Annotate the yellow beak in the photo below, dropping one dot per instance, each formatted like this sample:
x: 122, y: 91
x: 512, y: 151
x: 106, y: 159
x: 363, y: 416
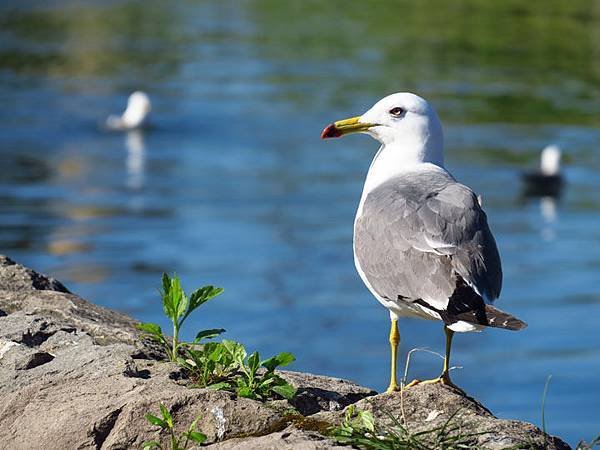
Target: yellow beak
x: 347, y: 126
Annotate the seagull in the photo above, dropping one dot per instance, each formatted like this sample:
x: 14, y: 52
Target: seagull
x: 547, y: 181
x: 138, y: 107
x: 422, y: 244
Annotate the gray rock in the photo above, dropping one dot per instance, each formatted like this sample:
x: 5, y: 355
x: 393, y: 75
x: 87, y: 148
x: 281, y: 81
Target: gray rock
x: 318, y: 393
x: 14, y: 277
x: 21, y: 357
x: 75, y: 375
x: 289, y: 439
x: 428, y: 406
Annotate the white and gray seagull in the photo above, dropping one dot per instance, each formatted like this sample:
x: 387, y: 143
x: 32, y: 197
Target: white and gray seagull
x: 422, y: 244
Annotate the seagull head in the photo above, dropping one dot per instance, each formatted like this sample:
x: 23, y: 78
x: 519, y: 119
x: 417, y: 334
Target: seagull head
x: 403, y: 121
x: 550, y: 160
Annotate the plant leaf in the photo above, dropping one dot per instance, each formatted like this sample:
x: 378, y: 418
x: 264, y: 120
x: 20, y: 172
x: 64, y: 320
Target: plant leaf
x: 253, y: 362
x: 282, y: 359
x: 367, y: 420
x: 221, y: 386
x: 196, y: 436
x: 150, y: 328
x: 166, y: 415
x: 204, y: 294
x: 149, y: 445
x: 167, y: 297
x: 153, y: 332
x: 179, y: 299
x: 236, y: 350
x: 286, y: 390
x: 208, y: 334
x: 246, y: 392
x: 201, y: 296
x: 166, y: 283
x: 156, y: 421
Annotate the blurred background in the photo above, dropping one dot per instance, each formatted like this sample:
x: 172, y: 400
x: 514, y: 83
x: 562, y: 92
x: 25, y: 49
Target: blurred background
x: 232, y: 186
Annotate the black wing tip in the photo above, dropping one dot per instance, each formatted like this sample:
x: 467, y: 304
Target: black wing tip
x: 500, y: 319
x: 516, y: 325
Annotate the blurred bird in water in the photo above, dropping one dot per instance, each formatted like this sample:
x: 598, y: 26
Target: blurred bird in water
x: 422, y: 244
x: 548, y: 180
x: 138, y: 107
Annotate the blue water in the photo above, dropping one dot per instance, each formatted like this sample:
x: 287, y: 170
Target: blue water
x: 232, y: 185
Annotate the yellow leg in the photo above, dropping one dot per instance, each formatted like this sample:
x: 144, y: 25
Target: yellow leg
x: 394, y: 341
x: 444, y: 378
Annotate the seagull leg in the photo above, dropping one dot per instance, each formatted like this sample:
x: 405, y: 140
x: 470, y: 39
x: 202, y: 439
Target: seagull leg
x: 444, y: 378
x: 394, y: 341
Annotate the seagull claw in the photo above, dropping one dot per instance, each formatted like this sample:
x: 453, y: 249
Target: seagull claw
x: 443, y: 379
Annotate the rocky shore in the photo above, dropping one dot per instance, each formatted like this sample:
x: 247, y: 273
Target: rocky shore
x: 74, y: 375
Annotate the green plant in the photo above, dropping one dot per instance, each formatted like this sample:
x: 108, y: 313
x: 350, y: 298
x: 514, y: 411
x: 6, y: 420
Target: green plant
x: 544, y: 395
x: 177, y: 307
x: 216, y: 365
x: 178, y: 441
x: 359, y: 429
x: 259, y: 385
x: 225, y: 365
x: 209, y: 365
x: 582, y: 445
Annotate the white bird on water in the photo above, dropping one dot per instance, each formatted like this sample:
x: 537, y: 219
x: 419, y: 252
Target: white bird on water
x: 422, y: 244
x: 548, y: 180
x: 138, y: 108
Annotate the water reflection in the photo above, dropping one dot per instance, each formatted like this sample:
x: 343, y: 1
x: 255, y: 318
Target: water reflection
x: 548, y: 208
x: 136, y: 159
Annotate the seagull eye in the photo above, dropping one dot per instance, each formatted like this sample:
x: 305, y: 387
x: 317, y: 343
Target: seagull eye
x: 397, y: 111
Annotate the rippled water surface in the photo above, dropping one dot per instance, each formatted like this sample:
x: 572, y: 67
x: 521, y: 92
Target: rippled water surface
x: 232, y: 185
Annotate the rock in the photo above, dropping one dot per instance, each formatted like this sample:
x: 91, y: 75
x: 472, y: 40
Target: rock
x: 318, y: 393
x: 20, y: 357
x: 428, y: 406
x: 75, y: 375
x: 288, y: 439
x: 14, y: 277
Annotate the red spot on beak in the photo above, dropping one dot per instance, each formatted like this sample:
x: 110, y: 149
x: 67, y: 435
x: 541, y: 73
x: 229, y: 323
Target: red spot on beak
x: 330, y: 131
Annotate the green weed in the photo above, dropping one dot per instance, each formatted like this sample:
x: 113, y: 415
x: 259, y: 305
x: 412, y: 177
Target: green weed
x: 178, y: 441
x: 221, y: 365
x: 177, y: 307
x: 226, y: 366
x: 582, y: 445
x: 360, y: 430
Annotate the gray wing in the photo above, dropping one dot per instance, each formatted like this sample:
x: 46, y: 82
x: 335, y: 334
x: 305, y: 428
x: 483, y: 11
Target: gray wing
x: 419, y: 240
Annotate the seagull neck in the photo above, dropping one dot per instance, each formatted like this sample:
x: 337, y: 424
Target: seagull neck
x: 391, y: 161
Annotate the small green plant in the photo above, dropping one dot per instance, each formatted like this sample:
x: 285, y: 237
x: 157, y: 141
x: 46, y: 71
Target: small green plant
x: 226, y: 366
x: 260, y: 385
x: 178, y: 441
x: 216, y: 365
x: 210, y: 365
x: 360, y: 430
x: 177, y: 307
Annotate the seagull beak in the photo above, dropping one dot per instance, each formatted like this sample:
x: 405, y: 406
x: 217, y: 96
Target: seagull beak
x: 347, y: 126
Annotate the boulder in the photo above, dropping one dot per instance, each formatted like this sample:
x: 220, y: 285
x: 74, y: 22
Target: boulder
x: 76, y: 375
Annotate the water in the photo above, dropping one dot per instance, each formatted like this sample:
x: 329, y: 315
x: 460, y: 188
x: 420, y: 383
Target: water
x: 232, y: 185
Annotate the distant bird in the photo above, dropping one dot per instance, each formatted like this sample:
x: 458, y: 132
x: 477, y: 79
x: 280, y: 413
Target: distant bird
x: 548, y: 180
x: 422, y: 244
x: 138, y: 107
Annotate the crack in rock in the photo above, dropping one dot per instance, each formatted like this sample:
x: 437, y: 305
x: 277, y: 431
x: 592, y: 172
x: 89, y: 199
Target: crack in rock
x: 102, y: 429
